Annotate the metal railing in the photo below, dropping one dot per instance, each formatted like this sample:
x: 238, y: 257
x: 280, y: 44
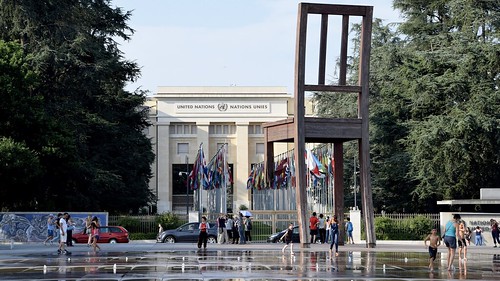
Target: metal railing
x: 265, y: 223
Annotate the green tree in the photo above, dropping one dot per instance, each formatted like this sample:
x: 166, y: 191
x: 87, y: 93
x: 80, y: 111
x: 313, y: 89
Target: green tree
x: 20, y: 113
x: 434, y: 103
x: 453, y: 92
x: 92, y: 145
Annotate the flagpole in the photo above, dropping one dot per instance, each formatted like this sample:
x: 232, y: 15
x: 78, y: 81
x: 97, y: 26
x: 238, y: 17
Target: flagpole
x: 223, y: 204
x: 200, y: 159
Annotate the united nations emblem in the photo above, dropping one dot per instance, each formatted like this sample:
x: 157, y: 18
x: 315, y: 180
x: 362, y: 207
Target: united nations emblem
x: 222, y: 106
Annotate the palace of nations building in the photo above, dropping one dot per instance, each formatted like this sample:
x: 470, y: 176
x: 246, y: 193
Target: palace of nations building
x: 183, y: 118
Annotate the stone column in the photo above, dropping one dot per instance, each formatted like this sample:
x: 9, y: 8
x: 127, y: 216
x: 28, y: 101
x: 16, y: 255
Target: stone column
x: 240, y: 196
x: 164, y: 169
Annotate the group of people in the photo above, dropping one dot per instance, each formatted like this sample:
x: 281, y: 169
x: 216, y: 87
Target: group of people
x: 60, y: 229
x: 321, y: 231
x: 326, y: 229
x: 457, y: 235
x: 235, y: 229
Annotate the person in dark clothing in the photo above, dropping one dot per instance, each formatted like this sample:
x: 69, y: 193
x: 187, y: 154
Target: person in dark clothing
x: 287, y: 237
x: 202, y: 237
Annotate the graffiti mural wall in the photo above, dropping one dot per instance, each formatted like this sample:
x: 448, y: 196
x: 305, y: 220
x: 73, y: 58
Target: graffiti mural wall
x: 32, y: 227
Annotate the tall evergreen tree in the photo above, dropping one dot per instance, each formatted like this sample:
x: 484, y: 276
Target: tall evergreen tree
x: 92, y: 144
x: 434, y: 104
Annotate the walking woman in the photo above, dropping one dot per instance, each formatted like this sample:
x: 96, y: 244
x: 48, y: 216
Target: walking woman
x: 334, y: 235
x: 451, y: 230
x: 287, y: 238
x: 495, y: 232
x: 95, y: 233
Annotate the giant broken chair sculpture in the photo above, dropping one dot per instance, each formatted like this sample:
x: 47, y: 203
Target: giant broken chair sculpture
x: 301, y: 129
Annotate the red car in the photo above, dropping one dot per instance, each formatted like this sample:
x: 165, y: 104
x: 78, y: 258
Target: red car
x: 107, y: 234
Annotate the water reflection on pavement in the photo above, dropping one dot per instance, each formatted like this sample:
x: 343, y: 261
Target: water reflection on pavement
x: 240, y: 264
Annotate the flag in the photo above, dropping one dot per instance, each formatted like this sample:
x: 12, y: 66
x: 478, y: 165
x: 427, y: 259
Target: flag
x: 198, y: 177
x: 314, y: 166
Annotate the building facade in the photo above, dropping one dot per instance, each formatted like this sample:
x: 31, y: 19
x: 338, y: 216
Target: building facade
x: 185, y: 118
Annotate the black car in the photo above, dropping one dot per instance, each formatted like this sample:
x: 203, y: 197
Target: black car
x: 275, y: 237
x: 187, y: 233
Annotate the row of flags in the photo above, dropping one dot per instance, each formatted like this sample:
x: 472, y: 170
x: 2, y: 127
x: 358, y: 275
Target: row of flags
x: 319, y: 162
x: 216, y: 174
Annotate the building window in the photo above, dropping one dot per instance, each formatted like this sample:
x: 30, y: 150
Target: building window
x: 255, y: 129
x: 220, y: 144
x: 183, y: 129
x: 259, y: 148
x: 222, y: 129
x: 183, y: 148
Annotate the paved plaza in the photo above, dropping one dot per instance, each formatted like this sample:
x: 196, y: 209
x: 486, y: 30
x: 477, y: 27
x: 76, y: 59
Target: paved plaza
x: 145, y: 260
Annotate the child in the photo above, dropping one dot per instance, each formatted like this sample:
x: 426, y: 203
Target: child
x: 479, y: 236
x: 287, y: 237
x: 434, y: 242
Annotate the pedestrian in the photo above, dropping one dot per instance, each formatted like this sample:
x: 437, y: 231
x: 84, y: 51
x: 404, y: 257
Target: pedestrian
x: 202, y: 237
x: 478, y: 236
x: 57, y: 232
x: 95, y: 233
x: 434, y: 243
x: 450, y: 239
x: 50, y: 229
x: 221, y: 229
x: 462, y: 241
x: 334, y: 235
x: 322, y: 229
x: 248, y: 229
x: 241, y: 229
x: 71, y: 226
x: 229, y: 228
x: 349, y: 229
x: 287, y: 238
x: 313, y: 227
x: 235, y: 229
x: 494, y: 232
x: 328, y: 228
x: 63, y: 234
x: 468, y: 235
x: 88, y: 229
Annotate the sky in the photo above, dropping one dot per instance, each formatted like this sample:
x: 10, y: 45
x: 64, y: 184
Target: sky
x: 227, y: 42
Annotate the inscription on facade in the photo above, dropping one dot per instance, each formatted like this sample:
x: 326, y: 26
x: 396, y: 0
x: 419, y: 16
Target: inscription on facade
x: 222, y: 107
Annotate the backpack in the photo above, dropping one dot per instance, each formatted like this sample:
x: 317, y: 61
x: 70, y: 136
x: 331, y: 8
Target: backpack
x: 249, y: 225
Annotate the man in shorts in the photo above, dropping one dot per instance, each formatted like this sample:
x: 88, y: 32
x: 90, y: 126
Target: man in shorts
x: 63, y: 231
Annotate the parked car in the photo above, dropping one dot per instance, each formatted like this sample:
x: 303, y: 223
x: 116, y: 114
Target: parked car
x: 187, y: 233
x: 275, y: 237
x: 107, y: 234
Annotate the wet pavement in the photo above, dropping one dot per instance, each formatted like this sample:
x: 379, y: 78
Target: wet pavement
x: 260, y: 261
